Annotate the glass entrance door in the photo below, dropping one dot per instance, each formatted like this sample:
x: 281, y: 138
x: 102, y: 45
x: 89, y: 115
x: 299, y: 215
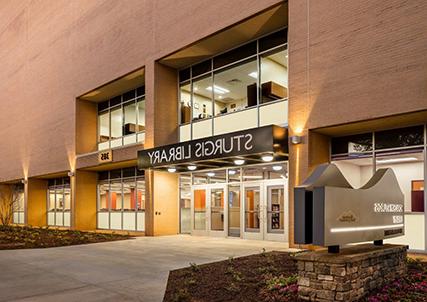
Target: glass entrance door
x: 264, y: 208
x: 209, y: 210
x: 234, y: 210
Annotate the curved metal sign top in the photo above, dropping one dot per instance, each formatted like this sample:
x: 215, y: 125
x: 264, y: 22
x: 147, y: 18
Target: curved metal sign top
x: 329, y: 211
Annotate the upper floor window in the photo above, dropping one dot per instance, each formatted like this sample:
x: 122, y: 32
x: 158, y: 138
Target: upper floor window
x: 121, y: 120
x: 244, y: 77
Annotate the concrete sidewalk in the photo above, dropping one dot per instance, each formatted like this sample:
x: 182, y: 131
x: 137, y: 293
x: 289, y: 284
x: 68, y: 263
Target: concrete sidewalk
x: 131, y: 270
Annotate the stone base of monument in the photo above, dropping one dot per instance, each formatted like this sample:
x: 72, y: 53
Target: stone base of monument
x: 350, y: 274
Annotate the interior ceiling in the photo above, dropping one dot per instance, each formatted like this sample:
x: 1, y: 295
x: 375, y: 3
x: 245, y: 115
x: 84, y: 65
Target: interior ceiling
x: 119, y: 86
x: 252, y: 28
x: 367, y: 161
x: 395, y: 121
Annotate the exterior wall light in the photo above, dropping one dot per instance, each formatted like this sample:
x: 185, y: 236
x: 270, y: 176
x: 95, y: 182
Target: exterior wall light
x: 172, y: 170
x: 239, y: 162
x: 295, y: 140
x: 24, y: 181
x: 277, y: 168
x: 71, y: 173
x: 191, y: 167
x: 267, y: 158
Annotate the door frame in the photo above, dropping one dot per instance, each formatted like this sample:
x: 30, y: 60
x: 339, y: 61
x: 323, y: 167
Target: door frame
x: 207, y: 231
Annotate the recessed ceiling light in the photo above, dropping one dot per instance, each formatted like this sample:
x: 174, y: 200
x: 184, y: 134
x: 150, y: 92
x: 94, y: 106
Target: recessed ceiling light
x: 395, y: 160
x: 239, y: 162
x: 192, y: 167
x: 277, y: 168
x: 253, y: 74
x: 172, y: 170
x: 218, y: 89
x: 210, y: 174
x: 231, y: 172
x: 267, y: 157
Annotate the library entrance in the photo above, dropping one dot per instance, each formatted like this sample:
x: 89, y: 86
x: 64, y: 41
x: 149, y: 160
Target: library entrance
x: 250, y: 210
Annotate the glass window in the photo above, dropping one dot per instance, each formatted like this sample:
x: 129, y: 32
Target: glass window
x: 67, y: 199
x: 116, y: 196
x: 121, y: 203
x: 200, y: 209
x: 185, y: 202
x: 234, y: 211
x: 104, y: 190
x: 141, y: 115
x: 141, y: 194
x: 202, y: 98
x: 122, y: 120
x: 51, y: 202
x: 275, y: 209
x: 409, y: 170
x: 201, y: 68
x: 235, y: 55
x: 185, y: 105
x: 116, y: 122
x: 235, y: 88
x: 274, y: 76
x: 275, y: 39
x: 252, y: 209
x: 129, y: 196
x: 130, y: 118
x: 104, y: 127
x: 403, y: 137
x: 354, y: 145
x: 217, y: 209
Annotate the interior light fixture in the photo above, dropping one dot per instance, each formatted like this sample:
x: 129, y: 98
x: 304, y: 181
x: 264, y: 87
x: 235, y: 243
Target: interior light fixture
x: 395, y: 160
x: 191, y: 167
x: 172, y: 170
x: 231, y: 172
x: 239, y: 162
x: 277, y: 168
x: 210, y: 174
x: 218, y: 89
x: 267, y: 157
x: 253, y: 74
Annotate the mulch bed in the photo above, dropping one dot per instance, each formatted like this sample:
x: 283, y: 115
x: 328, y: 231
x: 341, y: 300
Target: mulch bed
x: 239, y: 279
x: 272, y: 277
x: 16, y: 237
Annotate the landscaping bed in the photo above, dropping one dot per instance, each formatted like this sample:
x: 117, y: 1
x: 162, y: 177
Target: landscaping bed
x: 252, y: 278
x: 272, y: 277
x: 16, y: 237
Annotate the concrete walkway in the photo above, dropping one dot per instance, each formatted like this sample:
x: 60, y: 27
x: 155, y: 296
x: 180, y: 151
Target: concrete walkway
x: 131, y: 270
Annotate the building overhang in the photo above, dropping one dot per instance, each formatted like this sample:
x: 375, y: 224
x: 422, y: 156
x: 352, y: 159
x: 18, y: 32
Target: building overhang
x: 217, y: 151
x: 265, y: 22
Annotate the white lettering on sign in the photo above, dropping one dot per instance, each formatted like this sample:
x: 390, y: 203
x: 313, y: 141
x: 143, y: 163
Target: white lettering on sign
x: 398, y: 219
x: 220, y: 146
x: 388, y: 207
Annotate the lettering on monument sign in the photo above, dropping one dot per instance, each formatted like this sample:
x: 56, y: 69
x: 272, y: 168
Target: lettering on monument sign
x: 246, y: 142
x: 329, y: 211
x: 105, y: 156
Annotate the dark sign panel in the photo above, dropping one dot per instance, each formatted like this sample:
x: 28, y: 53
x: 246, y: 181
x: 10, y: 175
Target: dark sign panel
x: 330, y: 212
x: 247, y: 142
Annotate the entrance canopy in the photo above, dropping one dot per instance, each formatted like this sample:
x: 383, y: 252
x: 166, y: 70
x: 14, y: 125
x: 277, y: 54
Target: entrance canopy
x: 263, y: 144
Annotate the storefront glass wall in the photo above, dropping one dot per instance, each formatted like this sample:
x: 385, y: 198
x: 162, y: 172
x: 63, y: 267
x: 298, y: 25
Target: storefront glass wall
x: 121, y: 120
x: 219, y: 208
x: 18, y: 205
x: 403, y: 150
x: 121, y: 200
x: 226, y: 93
x: 59, y: 202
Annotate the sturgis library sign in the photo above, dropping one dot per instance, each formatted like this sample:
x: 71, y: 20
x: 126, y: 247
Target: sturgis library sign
x: 269, y: 139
